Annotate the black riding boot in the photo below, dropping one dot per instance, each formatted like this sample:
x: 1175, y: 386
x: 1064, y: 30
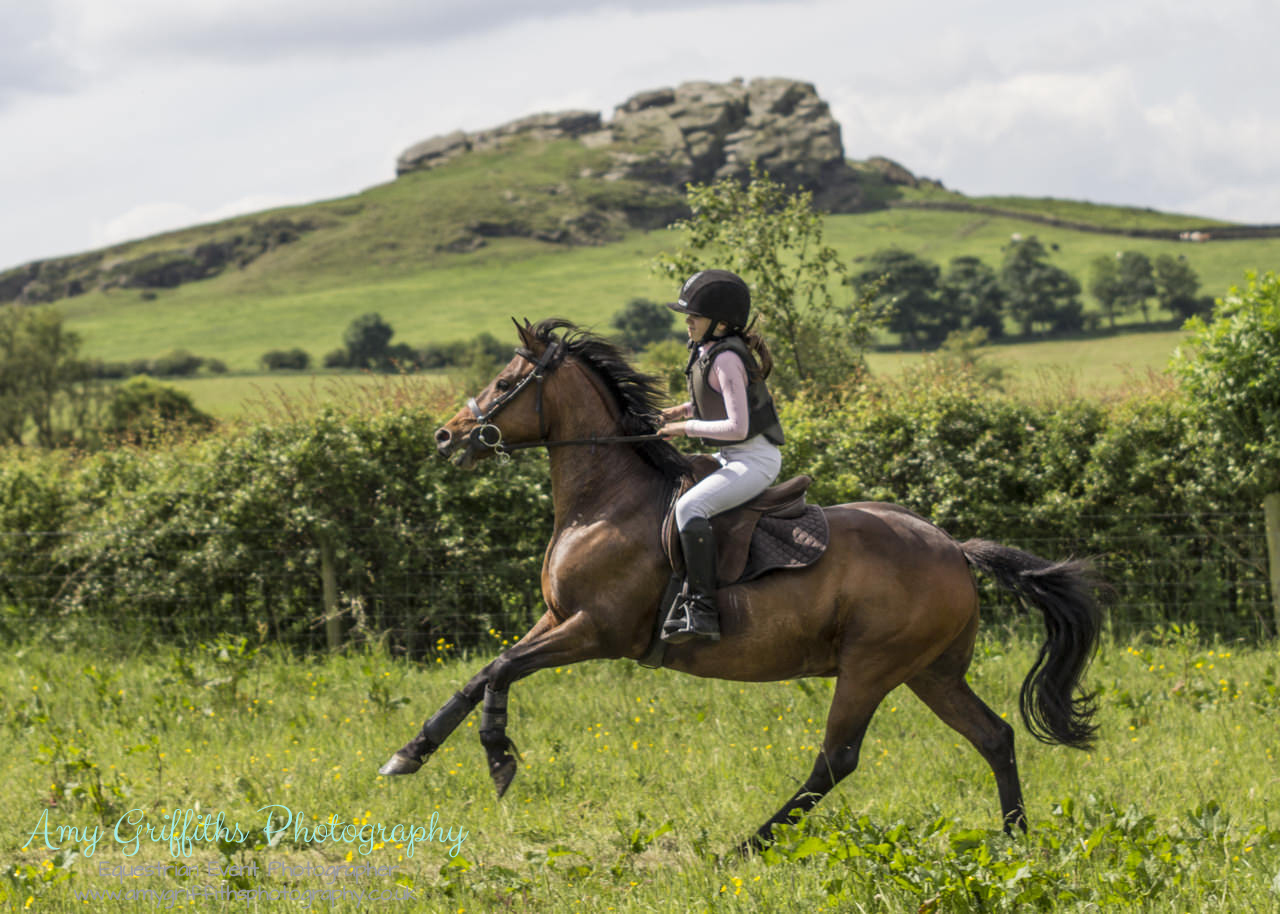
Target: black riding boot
x: 694, y: 614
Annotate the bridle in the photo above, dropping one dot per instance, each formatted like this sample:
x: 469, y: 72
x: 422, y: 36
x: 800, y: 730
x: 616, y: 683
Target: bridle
x: 486, y: 434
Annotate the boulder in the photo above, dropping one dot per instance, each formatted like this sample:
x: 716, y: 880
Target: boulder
x: 433, y: 152
x: 701, y: 131
x: 550, y: 126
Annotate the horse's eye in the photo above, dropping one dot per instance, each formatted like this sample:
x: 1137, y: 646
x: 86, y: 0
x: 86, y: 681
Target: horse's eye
x: 503, y: 384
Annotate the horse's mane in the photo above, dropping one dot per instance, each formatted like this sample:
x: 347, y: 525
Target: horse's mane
x: 639, y: 395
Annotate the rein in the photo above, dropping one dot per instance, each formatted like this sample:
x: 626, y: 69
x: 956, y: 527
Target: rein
x: 489, y: 435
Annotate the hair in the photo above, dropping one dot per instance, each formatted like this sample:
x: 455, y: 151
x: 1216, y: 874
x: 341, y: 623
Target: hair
x: 639, y: 396
x: 755, y: 342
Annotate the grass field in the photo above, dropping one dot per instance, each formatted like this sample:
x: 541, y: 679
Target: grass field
x: 1100, y: 365
x: 463, y: 295
x: 633, y: 786
x: 379, y: 251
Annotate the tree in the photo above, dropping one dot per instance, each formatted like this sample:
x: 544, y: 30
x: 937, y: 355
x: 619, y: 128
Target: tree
x: 1176, y: 287
x: 43, y: 381
x: 1229, y: 372
x: 141, y: 407
x: 1039, y: 292
x: 366, y: 340
x: 773, y: 240
x: 1137, y: 282
x: 642, y: 322
x: 1104, y: 285
x: 905, y: 287
x: 971, y: 291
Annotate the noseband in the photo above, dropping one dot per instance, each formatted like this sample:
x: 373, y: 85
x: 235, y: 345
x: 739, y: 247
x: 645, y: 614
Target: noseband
x: 486, y: 434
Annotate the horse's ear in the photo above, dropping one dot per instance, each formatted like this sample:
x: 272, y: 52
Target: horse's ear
x: 525, y: 331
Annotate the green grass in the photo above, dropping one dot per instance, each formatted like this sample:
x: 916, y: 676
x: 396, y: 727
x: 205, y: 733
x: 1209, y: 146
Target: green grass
x: 268, y: 395
x: 238, y: 318
x: 634, y: 784
x: 1099, y: 365
x: 380, y: 250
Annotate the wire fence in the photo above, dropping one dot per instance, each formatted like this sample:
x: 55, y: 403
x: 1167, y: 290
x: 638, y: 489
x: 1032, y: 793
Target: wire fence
x: 1209, y: 570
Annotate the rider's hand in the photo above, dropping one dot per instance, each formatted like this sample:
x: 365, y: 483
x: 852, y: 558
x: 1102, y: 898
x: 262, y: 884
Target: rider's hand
x: 672, y: 430
x: 672, y: 413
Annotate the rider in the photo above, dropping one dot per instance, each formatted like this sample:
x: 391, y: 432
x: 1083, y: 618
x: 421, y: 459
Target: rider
x: 729, y: 405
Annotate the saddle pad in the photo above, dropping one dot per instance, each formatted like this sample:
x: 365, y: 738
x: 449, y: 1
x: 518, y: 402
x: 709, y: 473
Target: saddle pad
x: 750, y: 543
x: 786, y: 542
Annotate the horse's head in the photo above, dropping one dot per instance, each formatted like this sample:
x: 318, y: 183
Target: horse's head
x: 510, y: 409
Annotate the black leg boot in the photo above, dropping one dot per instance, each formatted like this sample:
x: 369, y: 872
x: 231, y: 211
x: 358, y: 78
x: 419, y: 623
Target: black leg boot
x: 695, y: 614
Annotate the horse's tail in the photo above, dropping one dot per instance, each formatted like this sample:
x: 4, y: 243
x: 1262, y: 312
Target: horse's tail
x: 1064, y: 593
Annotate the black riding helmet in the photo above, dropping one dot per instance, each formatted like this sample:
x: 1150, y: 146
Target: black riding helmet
x: 717, y: 294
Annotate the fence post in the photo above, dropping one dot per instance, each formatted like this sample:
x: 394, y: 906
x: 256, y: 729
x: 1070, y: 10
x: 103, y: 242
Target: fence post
x: 329, y: 581
x: 1271, y: 508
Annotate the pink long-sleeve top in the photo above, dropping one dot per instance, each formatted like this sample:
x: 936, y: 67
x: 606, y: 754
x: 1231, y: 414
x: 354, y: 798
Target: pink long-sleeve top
x: 728, y: 377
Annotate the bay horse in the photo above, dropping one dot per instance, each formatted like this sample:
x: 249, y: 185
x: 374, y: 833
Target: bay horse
x: 891, y: 601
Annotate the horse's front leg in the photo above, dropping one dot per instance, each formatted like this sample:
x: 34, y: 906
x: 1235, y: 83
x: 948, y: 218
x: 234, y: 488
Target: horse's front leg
x: 437, y: 728
x: 574, y: 640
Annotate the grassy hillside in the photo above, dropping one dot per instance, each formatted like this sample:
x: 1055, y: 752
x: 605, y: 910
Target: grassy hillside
x: 445, y: 254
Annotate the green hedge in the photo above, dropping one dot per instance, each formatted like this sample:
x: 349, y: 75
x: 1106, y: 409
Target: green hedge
x: 228, y: 533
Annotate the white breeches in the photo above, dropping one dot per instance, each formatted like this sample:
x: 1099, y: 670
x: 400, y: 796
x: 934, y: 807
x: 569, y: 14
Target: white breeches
x: 746, y: 470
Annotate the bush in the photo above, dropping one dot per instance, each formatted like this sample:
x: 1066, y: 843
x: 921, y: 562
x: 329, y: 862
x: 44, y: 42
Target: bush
x: 281, y: 360
x: 140, y: 409
x: 176, y: 364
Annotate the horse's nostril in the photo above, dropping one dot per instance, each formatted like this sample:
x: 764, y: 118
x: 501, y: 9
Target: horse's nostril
x: 442, y: 437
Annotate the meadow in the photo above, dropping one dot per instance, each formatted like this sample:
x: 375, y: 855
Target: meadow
x: 633, y: 789
x: 306, y: 293
x: 1100, y: 365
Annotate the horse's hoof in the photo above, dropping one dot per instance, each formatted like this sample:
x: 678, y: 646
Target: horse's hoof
x: 400, y: 764
x: 503, y: 774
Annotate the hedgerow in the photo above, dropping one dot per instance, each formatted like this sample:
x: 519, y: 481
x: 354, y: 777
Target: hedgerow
x: 234, y: 531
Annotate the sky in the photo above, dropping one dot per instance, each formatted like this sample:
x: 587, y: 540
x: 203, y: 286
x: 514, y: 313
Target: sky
x: 123, y: 118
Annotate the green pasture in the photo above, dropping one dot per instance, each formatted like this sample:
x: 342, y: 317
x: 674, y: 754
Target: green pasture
x: 1096, y: 365
x: 1100, y: 365
x: 289, y: 393
x: 634, y: 786
x: 376, y: 251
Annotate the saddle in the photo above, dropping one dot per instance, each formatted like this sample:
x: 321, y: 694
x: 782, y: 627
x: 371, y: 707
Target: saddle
x: 774, y: 530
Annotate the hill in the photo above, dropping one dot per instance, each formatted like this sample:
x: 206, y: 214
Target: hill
x: 543, y: 220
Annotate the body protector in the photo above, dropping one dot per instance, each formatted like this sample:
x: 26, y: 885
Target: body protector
x: 709, y: 403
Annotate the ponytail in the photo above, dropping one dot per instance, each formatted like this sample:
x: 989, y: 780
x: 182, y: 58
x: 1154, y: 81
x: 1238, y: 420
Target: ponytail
x: 755, y: 342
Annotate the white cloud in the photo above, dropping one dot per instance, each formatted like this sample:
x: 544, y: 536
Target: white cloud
x: 106, y: 105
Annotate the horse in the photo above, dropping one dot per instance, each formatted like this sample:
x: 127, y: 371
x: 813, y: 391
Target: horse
x: 892, y: 600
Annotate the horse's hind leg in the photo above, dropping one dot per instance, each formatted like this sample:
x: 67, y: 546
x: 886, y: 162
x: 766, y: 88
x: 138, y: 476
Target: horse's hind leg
x: 855, y: 701
x: 943, y: 688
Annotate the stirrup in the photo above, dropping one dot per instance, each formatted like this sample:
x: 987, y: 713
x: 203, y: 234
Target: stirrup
x: 692, y: 616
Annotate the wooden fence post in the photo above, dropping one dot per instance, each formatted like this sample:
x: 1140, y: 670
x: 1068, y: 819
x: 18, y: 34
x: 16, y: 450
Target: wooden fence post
x: 1271, y: 508
x: 329, y: 581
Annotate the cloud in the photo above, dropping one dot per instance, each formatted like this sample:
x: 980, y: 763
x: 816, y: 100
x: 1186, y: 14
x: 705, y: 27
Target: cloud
x: 1157, y: 104
x: 32, y: 60
x: 249, y: 30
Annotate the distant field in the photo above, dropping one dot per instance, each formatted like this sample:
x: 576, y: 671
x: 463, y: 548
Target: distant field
x: 284, y: 393
x: 387, y: 250
x: 1086, y: 366
x: 461, y: 295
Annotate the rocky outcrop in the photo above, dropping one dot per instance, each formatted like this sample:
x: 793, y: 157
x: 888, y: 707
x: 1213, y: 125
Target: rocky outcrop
x: 441, y: 149
x: 697, y: 131
x: 50, y: 280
